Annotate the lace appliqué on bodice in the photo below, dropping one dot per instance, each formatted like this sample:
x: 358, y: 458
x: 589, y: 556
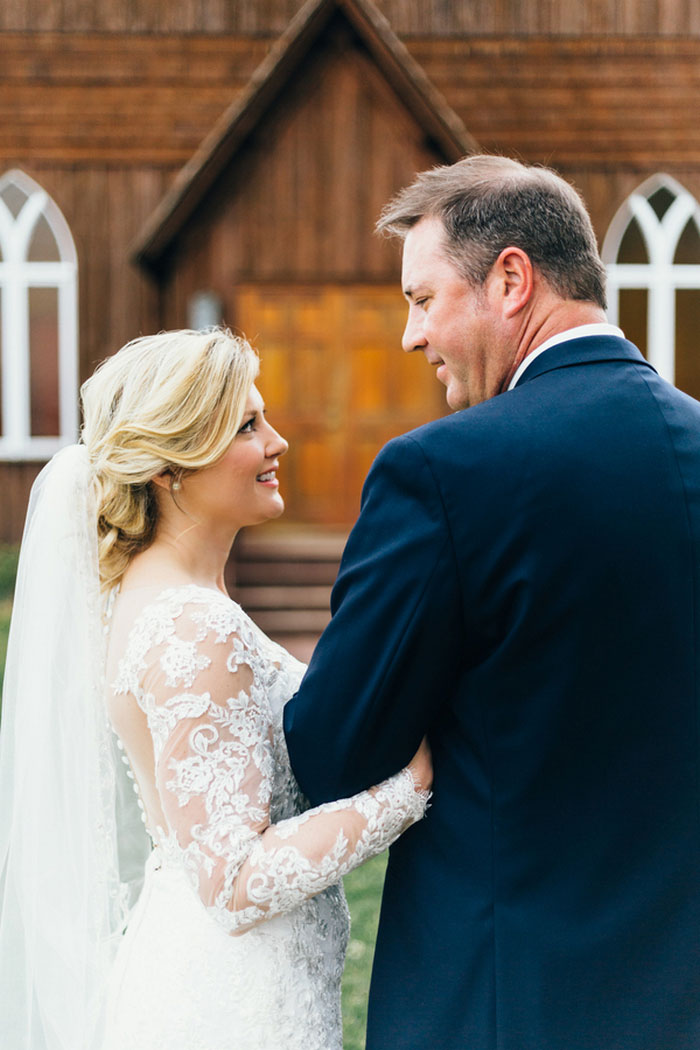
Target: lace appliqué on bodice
x: 212, y: 687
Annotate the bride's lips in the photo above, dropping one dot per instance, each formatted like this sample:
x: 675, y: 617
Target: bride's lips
x: 268, y: 477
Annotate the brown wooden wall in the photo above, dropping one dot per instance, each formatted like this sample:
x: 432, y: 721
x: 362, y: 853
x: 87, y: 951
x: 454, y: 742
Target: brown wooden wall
x: 135, y: 99
x: 105, y: 208
x: 301, y: 200
x: 601, y: 104
x: 408, y: 17
x: 102, y: 101
x: 117, y: 98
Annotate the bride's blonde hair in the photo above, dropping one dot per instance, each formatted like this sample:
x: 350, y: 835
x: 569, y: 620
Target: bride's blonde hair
x: 168, y: 403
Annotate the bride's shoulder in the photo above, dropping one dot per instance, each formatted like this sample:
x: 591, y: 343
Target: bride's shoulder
x: 181, y: 622
x: 187, y: 625
x: 191, y: 603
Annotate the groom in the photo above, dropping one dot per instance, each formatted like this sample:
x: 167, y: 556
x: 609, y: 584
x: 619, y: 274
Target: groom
x: 523, y: 585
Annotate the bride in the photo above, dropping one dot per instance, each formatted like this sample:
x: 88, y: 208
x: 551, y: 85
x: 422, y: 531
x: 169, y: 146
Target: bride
x: 201, y: 907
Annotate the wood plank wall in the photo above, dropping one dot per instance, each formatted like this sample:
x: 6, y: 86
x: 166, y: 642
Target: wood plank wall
x: 120, y: 98
x: 102, y: 101
x: 408, y: 17
x: 301, y: 203
x: 140, y: 100
x: 105, y: 209
x: 621, y: 102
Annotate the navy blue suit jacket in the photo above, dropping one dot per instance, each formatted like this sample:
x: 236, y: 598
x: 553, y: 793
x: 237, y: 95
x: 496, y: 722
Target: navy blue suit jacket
x: 523, y: 584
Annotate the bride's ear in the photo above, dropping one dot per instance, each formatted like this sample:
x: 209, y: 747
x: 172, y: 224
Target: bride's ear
x: 163, y: 480
x: 168, y: 479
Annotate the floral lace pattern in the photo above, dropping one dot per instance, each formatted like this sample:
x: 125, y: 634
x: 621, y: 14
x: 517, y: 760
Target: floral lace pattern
x: 208, y: 688
x: 212, y: 725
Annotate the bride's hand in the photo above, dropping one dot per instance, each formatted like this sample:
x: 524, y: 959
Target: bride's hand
x: 421, y: 766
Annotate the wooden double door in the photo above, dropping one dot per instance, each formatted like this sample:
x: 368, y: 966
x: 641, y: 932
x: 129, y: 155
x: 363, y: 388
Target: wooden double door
x: 336, y: 384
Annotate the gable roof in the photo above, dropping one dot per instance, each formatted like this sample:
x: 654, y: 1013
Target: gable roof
x: 402, y: 72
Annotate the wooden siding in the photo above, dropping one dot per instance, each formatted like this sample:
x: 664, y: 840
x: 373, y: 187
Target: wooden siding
x: 285, y: 239
x: 118, y: 99
x: 301, y: 199
x: 16, y: 480
x: 102, y: 101
x: 104, y: 209
x: 408, y: 17
x: 149, y: 101
x: 582, y: 102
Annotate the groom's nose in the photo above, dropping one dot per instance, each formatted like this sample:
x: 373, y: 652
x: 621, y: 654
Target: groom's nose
x: 413, y: 338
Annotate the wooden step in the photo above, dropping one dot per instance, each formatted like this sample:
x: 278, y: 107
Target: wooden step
x: 282, y: 597
x: 294, y: 545
x: 286, y: 573
x: 282, y: 576
x: 279, y: 622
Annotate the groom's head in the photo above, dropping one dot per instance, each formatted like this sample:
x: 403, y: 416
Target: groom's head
x: 491, y: 247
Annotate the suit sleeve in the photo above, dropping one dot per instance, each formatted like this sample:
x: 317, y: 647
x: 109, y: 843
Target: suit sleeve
x: 391, y: 653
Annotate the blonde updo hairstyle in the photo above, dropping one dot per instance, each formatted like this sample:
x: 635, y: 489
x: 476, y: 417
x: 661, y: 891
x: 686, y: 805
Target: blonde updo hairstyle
x: 169, y: 403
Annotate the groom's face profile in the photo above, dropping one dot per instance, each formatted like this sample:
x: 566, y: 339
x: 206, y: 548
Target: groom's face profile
x: 454, y: 323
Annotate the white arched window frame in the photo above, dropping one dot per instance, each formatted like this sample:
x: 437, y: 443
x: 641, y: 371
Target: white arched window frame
x: 661, y: 277
x: 19, y: 274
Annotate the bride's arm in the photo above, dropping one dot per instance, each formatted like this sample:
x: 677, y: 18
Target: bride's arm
x: 214, y: 776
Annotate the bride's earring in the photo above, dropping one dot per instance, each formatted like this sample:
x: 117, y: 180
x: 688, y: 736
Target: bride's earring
x: 176, y: 485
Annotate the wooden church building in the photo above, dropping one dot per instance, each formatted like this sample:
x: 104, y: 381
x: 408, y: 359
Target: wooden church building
x: 167, y: 164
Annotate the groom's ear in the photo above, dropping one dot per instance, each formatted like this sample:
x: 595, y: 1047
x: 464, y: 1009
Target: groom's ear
x: 516, y: 280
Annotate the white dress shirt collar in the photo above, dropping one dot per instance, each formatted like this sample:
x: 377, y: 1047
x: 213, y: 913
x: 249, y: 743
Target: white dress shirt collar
x: 579, y: 332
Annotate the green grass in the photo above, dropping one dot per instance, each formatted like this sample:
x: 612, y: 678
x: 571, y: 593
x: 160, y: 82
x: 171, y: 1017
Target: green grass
x: 8, y: 571
x: 363, y: 888
x: 5, y: 611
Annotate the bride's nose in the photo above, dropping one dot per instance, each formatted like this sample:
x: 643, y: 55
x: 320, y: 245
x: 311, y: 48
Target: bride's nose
x: 276, y: 444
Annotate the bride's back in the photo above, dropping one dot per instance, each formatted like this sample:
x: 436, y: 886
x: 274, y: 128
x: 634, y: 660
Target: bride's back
x: 128, y: 719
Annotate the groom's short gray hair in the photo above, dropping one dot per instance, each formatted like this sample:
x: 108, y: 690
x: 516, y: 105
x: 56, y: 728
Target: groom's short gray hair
x: 487, y: 203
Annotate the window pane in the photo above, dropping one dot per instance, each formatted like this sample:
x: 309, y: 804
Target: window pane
x: 14, y: 198
x: 688, y: 250
x: 661, y: 201
x: 633, y: 316
x: 43, y: 361
x: 632, y: 246
x: 43, y: 247
x: 687, y: 346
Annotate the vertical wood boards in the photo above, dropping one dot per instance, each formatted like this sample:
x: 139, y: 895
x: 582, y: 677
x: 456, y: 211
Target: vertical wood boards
x: 285, y: 239
x: 116, y: 302
x: 301, y: 200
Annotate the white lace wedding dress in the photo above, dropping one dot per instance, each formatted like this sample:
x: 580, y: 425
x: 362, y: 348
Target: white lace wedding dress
x: 238, y: 938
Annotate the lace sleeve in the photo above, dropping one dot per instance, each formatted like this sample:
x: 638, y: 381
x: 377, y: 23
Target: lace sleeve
x: 208, y: 712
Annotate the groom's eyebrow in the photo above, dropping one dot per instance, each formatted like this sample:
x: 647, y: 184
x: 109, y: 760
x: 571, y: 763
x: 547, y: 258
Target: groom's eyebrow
x: 419, y: 291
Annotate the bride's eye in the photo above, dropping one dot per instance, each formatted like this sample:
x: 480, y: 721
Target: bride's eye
x: 247, y: 427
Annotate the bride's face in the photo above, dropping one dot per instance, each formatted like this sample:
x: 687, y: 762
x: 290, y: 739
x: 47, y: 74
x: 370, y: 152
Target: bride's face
x: 242, y: 487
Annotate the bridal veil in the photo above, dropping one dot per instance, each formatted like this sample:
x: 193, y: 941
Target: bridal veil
x: 69, y: 826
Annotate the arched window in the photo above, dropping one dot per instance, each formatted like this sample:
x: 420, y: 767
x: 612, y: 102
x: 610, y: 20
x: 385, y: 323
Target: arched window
x: 38, y: 323
x: 652, y: 252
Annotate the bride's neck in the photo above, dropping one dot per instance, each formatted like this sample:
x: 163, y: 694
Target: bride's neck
x: 189, y: 555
